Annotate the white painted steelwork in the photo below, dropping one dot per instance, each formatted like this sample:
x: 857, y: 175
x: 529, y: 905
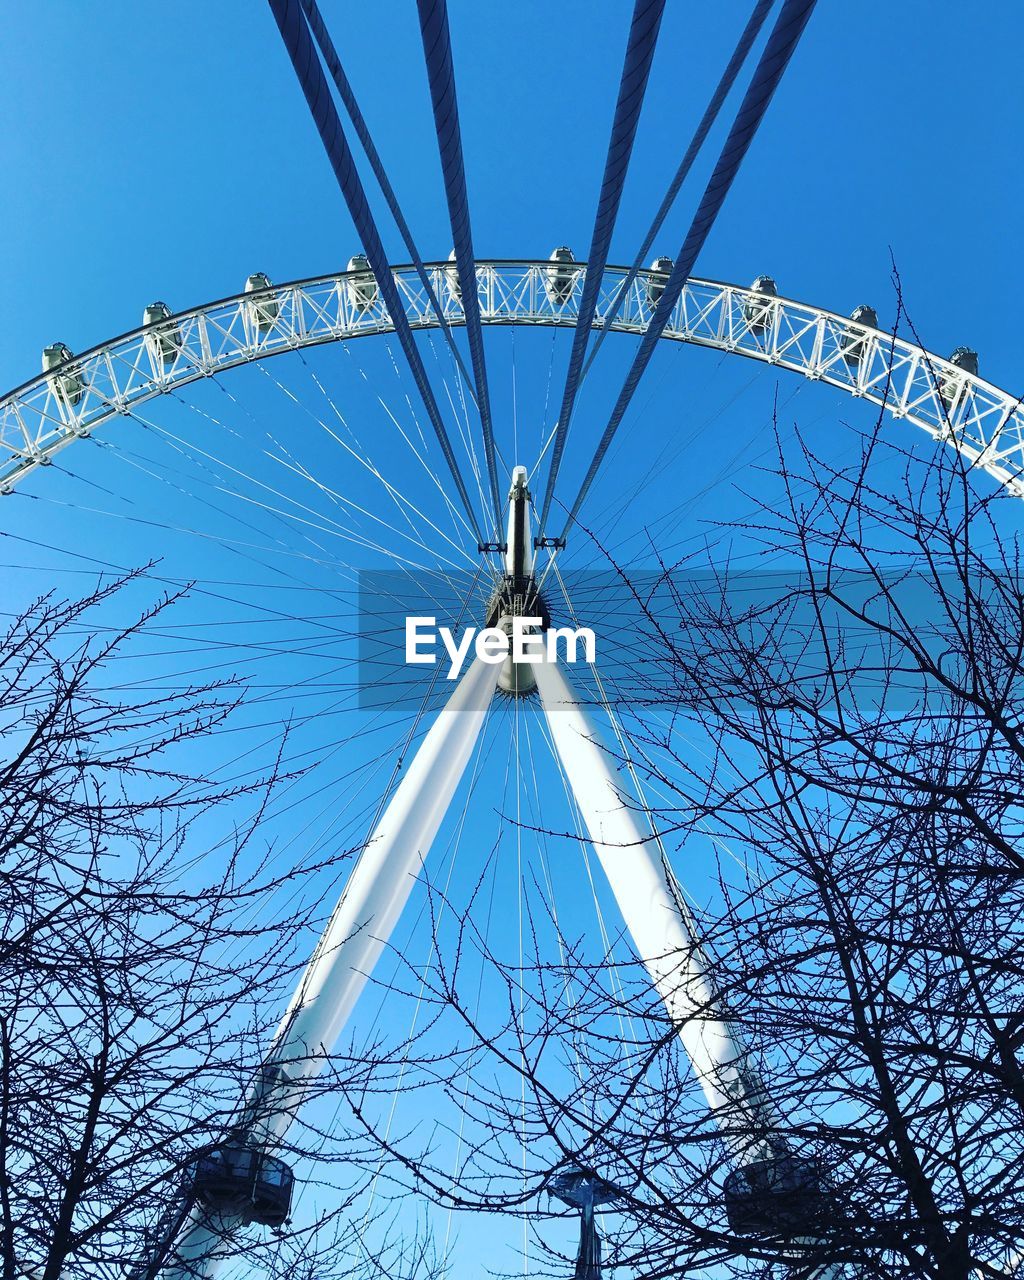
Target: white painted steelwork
x: 379, y: 886
x: 374, y: 896
x: 350, y: 946
x: 752, y: 1127
x: 985, y: 423
x: 659, y: 924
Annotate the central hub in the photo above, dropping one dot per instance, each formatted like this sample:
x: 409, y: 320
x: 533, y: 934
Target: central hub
x: 517, y: 595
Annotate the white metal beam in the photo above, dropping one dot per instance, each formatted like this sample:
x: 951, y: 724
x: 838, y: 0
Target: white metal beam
x: 50, y: 411
x: 378, y: 888
x: 351, y: 945
x: 659, y: 924
x: 664, y: 936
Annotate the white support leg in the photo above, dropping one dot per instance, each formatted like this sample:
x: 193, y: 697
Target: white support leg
x: 751, y: 1126
x: 376, y: 892
x: 357, y: 933
x: 660, y: 930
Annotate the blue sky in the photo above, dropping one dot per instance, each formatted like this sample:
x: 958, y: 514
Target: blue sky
x: 164, y: 151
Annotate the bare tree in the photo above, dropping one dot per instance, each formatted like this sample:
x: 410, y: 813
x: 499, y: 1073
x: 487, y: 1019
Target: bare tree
x: 848, y: 733
x: 876, y: 704
x: 141, y: 968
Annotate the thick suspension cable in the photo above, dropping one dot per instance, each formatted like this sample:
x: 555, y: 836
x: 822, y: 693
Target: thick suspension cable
x: 743, y: 47
x: 295, y: 33
x: 636, y: 68
x: 341, y: 82
x: 773, y: 62
x: 437, y: 50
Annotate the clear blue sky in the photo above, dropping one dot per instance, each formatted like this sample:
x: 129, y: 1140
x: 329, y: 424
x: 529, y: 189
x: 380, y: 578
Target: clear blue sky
x: 164, y: 151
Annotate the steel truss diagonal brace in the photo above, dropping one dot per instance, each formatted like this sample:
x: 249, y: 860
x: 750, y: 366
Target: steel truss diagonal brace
x: 352, y: 943
x: 662, y: 933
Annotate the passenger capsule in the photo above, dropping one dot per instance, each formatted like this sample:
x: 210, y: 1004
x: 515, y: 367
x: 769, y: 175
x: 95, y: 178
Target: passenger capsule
x: 68, y: 387
x: 655, y: 286
x: 165, y: 342
x: 784, y: 1196
x: 759, y: 315
x: 965, y: 359
x: 239, y: 1181
x: 560, y: 279
x: 452, y: 281
x: 855, y: 338
x: 362, y: 286
x: 263, y: 311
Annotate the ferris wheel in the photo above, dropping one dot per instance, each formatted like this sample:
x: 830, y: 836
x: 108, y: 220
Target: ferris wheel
x: 505, y: 524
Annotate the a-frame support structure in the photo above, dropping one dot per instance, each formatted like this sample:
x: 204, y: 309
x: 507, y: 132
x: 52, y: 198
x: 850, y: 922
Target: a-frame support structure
x: 765, y: 1175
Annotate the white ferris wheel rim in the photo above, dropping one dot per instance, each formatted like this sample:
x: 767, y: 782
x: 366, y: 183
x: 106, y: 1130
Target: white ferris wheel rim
x: 72, y: 399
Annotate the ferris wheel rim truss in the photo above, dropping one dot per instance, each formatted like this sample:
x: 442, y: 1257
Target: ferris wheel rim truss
x: 976, y: 417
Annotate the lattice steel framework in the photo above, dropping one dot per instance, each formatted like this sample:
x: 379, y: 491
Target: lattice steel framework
x: 43, y: 415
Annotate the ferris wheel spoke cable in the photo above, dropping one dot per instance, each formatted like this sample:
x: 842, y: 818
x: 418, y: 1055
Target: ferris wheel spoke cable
x: 768, y: 74
x: 139, y: 462
x: 341, y: 82
x: 437, y: 50
x: 143, y: 463
x: 233, y: 516
x: 197, y: 588
x: 322, y: 752
x: 545, y: 441
x: 671, y: 518
x: 237, y: 545
x: 336, y: 527
x: 207, y: 464
x: 636, y: 68
x: 289, y: 759
x: 298, y: 41
x: 421, y: 457
x: 746, y: 40
x: 627, y: 495
x: 339, y: 796
x: 358, y: 454
x: 402, y: 504
x: 502, y: 462
x: 461, y: 415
